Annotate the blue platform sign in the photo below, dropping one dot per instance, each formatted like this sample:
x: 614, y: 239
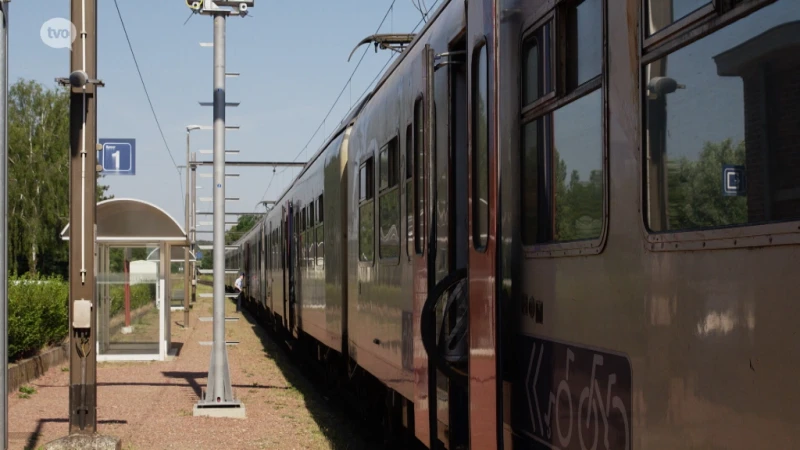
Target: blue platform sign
x: 734, y: 180
x: 198, y: 255
x: 118, y: 156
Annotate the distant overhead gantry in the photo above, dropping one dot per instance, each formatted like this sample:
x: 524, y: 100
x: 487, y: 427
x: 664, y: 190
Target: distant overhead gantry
x: 254, y: 163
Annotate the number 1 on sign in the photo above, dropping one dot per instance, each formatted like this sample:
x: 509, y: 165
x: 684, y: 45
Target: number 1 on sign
x: 115, y: 155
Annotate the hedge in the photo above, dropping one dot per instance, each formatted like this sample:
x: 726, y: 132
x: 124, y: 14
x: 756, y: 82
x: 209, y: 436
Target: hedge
x: 38, y: 314
x: 38, y: 311
x: 141, y: 294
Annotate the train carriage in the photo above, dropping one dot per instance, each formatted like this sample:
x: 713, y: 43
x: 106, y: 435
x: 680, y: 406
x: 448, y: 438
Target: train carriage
x: 559, y: 224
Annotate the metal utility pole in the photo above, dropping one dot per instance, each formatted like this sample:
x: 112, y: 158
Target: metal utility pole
x: 187, y: 248
x: 84, y: 85
x: 218, y: 398
x: 4, y: 214
x: 193, y: 224
x: 83, y: 202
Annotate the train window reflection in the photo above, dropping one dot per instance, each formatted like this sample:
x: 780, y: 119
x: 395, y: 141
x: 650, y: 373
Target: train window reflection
x: 366, y: 213
x: 578, y: 159
x: 562, y: 176
x: 531, y: 145
x: 389, y: 203
x: 480, y: 150
x: 419, y: 177
x: 721, y: 125
x: 409, y: 192
x: 661, y: 13
x: 584, y: 27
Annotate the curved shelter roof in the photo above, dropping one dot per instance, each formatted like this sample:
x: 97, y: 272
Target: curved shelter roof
x: 176, y: 254
x: 130, y: 220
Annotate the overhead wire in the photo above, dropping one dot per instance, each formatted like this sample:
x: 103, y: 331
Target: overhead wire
x: 349, y: 83
x: 335, y: 102
x: 155, y: 116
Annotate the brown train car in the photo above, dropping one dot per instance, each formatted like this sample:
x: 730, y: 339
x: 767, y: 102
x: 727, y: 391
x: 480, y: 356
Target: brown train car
x: 562, y: 225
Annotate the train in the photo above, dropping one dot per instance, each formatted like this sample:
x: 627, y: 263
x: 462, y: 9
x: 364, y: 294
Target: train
x: 557, y: 224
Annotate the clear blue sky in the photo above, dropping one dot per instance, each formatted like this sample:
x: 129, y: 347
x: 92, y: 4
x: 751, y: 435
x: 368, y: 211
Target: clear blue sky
x: 292, y: 57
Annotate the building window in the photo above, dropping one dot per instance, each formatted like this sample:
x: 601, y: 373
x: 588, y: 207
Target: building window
x: 366, y: 211
x: 721, y: 126
x: 562, y: 171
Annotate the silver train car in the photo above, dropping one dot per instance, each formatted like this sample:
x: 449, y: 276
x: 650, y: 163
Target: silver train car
x: 563, y: 224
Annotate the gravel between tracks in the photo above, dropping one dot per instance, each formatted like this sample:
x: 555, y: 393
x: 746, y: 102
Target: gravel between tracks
x: 149, y: 404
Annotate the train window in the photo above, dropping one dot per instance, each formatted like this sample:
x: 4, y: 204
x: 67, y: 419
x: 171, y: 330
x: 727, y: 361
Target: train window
x: 366, y: 212
x: 365, y: 182
x: 480, y: 149
x: 383, y: 181
x: 538, y: 64
x: 389, y: 203
x: 311, y: 236
x: 562, y: 138
x: 419, y: 177
x: 661, y: 13
x: 584, y: 41
x: 388, y: 162
x: 721, y: 121
x: 409, y: 190
x: 409, y: 151
x: 532, y: 151
x: 320, y: 246
x: 320, y: 234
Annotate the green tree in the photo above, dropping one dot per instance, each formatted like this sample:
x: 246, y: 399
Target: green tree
x: 38, y: 170
x: 695, y: 197
x: 579, y: 204
x: 243, y: 225
x: 38, y: 178
x: 207, y: 261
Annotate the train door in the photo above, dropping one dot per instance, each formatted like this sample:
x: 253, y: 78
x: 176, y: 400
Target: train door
x: 290, y: 268
x: 445, y: 313
x: 458, y: 323
x: 245, y: 267
x: 484, y: 376
x: 262, y: 267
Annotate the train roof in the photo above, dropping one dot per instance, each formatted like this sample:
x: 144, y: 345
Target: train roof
x: 354, y: 112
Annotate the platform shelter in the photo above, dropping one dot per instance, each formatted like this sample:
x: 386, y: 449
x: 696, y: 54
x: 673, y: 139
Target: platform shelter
x: 135, y: 279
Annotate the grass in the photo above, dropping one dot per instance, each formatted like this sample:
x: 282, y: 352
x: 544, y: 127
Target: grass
x: 26, y: 391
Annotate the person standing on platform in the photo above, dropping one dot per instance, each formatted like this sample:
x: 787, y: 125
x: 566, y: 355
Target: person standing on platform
x: 238, y: 286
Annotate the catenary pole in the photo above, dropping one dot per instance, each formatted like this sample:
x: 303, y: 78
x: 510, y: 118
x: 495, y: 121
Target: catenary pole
x: 83, y: 202
x: 218, y: 400
x: 193, y: 224
x: 186, y: 207
x: 217, y: 380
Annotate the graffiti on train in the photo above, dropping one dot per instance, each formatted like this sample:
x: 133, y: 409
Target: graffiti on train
x: 575, y: 397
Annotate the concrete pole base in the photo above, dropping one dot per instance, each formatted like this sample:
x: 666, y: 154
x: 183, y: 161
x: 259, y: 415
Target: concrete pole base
x: 85, y: 442
x: 235, y: 412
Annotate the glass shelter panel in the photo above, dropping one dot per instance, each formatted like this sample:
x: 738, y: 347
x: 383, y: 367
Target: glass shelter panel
x: 129, y: 299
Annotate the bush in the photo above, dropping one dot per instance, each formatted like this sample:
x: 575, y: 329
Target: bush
x: 38, y: 314
x: 141, y: 294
